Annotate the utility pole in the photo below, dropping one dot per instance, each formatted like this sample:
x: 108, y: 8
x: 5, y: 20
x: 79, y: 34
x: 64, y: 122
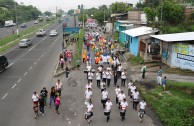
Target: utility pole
x: 16, y: 19
x: 83, y: 15
x: 104, y: 16
x: 56, y: 12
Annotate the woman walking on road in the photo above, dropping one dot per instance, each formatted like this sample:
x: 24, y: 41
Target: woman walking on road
x: 57, y: 103
x: 52, y: 96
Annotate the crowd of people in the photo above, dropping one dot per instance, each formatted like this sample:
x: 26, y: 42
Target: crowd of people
x: 107, y: 67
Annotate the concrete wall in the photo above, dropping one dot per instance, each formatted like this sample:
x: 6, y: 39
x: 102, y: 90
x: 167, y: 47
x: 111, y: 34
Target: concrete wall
x: 182, y: 56
x: 108, y: 27
x: 117, y: 24
x: 122, y: 37
x: 166, y: 52
x: 134, y: 46
x: 134, y: 15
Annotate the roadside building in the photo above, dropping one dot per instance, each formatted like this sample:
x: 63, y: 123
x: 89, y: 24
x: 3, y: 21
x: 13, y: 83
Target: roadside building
x: 177, y: 50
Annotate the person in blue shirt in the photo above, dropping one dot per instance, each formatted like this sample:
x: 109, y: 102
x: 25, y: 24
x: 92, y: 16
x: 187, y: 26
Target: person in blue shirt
x: 164, y: 84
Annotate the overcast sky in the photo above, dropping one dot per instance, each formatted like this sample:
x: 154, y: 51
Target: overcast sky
x: 45, y: 5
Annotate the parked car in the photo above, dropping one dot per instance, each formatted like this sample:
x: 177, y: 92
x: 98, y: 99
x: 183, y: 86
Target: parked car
x: 53, y: 33
x: 40, y: 32
x: 25, y: 43
x: 3, y: 63
x: 36, y: 22
x: 23, y: 25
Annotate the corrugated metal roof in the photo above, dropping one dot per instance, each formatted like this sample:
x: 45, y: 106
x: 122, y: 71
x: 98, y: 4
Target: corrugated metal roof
x: 175, y: 37
x: 139, y: 31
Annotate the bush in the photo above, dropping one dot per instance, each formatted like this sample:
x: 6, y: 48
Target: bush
x: 136, y: 60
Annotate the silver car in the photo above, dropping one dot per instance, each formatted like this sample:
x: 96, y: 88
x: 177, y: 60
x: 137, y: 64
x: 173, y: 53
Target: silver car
x: 25, y: 43
x: 53, y: 33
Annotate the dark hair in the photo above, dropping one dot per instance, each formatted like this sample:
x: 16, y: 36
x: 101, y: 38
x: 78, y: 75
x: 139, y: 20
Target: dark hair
x: 164, y: 77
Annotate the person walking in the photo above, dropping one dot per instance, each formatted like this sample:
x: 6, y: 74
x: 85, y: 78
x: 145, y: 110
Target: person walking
x: 78, y: 63
x: 104, y: 75
x: 102, y: 86
x: 164, y: 83
x: 41, y: 104
x: 123, y: 78
x: 88, y: 96
x: 121, y: 96
x: 104, y: 96
x: 132, y: 88
x: 117, y: 91
x: 115, y: 78
x: 35, y: 98
x: 52, y: 96
x: 58, y: 87
x: 108, y: 78
x: 98, y: 78
x: 57, y: 104
x: 123, y: 108
x: 67, y: 72
x: 90, y: 75
x: 143, y: 70
x: 107, y: 109
x: 135, y: 99
x: 119, y: 70
x: 89, y: 111
x: 44, y: 94
x: 159, y: 75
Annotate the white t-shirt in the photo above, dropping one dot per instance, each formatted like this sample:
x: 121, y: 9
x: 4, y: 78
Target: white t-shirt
x: 108, y: 106
x: 90, y: 74
x: 132, y: 88
x: 129, y: 84
x: 119, y: 68
x: 100, y: 68
x: 104, y: 94
x: 90, y: 107
x: 108, y: 75
x: 89, y: 67
x: 103, y: 74
x: 123, y: 76
x: 88, y: 94
x: 58, y: 85
x: 88, y: 86
x: 136, y: 95
x: 117, y: 90
x: 98, y: 77
x: 102, y: 85
x: 142, y: 105
x: 121, y: 97
x: 35, y: 97
x: 108, y: 68
x: 124, y: 105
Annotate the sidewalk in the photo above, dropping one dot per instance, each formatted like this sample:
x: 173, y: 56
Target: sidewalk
x: 58, y: 70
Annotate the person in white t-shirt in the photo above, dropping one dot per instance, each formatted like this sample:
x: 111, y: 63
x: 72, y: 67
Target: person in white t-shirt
x: 123, y: 108
x: 107, y: 109
x: 132, y: 88
x: 59, y: 87
x: 119, y: 70
x: 90, y: 75
x: 117, y: 91
x: 102, y: 86
x: 100, y: 70
x: 108, y: 77
x: 121, y: 96
x: 35, y: 98
x: 135, y: 96
x: 89, y: 111
x: 88, y: 85
x: 104, y: 75
x: 123, y: 77
x: 142, y: 106
x: 104, y: 95
x: 88, y: 94
x: 129, y: 87
x: 98, y: 78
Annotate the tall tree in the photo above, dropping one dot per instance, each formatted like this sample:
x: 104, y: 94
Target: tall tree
x: 119, y: 7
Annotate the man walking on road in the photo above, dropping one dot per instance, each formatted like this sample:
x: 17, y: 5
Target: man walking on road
x: 104, y: 97
x: 41, y: 104
x: 107, y: 110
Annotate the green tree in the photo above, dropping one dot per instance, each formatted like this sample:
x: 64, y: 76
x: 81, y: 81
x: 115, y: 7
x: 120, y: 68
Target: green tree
x: 119, y: 7
x: 170, y: 12
x: 150, y: 14
x: 70, y: 12
x: 80, y: 17
x: 47, y: 13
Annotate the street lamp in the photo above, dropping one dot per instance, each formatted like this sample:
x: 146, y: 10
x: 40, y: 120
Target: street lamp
x: 16, y: 19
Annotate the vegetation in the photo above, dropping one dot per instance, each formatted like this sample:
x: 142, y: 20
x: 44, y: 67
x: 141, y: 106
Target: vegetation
x: 120, y: 7
x: 24, y: 13
x: 136, y: 60
x: 174, y: 107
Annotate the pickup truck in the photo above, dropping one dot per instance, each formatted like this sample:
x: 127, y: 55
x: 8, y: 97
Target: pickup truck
x: 40, y: 32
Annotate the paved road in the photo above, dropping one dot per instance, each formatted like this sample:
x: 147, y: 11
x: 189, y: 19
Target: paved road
x: 32, y: 69
x: 6, y: 31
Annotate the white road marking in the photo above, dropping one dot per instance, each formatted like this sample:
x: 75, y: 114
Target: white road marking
x: 10, y: 64
x: 31, y: 48
x: 13, y: 86
x: 30, y: 68
x: 56, y: 40
x: 19, y: 80
x: 35, y: 63
x: 4, y: 96
x: 44, y: 38
x: 25, y: 73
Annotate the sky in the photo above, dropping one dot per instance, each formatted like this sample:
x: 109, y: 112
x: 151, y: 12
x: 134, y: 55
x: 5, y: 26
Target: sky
x: 46, y: 5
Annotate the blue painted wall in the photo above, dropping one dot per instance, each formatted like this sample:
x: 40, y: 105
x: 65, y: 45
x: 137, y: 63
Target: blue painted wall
x: 133, y: 46
x: 122, y: 37
x: 117, y: 24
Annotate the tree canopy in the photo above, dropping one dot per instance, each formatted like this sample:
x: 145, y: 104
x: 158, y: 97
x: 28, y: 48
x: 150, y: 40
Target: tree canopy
x: 119, y: 7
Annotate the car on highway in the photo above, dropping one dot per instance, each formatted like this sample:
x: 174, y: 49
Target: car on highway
x: 23, y: 25
x: 36, y: 22
x: 40, y: 32
x: 3, y: 63
x: 53, y: 33
x: 25, y: 43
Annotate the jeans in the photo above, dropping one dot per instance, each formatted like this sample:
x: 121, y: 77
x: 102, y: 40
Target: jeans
x: 108, y: 82
x: 41, y: 108
x: 52, y: 98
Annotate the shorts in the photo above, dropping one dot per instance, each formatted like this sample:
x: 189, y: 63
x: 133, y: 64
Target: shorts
x: 36, y: 103
x: 103, y: 101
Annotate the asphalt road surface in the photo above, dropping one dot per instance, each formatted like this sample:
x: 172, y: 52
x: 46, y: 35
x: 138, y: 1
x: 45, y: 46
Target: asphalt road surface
x: 31, y: 69
x: 6, y: 31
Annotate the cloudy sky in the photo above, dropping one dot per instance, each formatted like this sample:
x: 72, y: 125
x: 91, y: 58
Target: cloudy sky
x: 45, y: 5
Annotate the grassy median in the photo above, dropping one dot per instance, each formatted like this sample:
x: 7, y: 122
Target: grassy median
x: 174, y: 107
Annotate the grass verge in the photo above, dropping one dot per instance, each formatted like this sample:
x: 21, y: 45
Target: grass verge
x: 14, y: 37
x: 79, y: 44
x: 134, y: 60
x: 174, y: 107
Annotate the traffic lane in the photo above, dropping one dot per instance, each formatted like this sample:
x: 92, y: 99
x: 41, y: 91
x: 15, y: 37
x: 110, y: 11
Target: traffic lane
x: 18, y: 52
x: 18, y: 102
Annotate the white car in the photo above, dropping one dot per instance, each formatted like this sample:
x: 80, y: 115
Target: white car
x: 25, y: 43
x: 40, y: 32
x: 53, y: 33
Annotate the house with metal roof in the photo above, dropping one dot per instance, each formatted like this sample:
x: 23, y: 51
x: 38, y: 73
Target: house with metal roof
x: 135, y: 36
x: 177, y: 50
